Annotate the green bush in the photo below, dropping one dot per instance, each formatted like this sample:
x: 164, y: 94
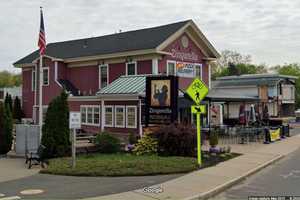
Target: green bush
x: 6, y: 126
x: 176, y: 140
x: 107, y: 143
x: 17, y: 110
x: 56, y: 133
x: 132, y: 138
x: 8, y: 101
x: 147, y: 145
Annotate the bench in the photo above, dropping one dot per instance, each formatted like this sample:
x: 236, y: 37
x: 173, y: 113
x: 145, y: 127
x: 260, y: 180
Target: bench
x: 35, y: 157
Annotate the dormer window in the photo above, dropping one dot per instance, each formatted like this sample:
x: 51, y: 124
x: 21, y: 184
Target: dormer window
x: 131, y: 68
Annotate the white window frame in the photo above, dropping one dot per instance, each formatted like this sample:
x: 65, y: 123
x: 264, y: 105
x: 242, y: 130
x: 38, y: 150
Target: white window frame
x: 112, y: 116
x: 115, y: 114
x: 99, y: 74
x: 135, y: 67
x: 201, y: 69
x: 93, y: 114
x: 175, y: 70
x: 46, y: 68
x: 135, y: 118
x: 33, y: 80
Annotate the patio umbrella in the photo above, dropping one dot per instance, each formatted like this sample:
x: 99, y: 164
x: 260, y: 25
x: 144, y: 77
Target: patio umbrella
x: 242, y: 115
x: 257, y: 114
x: 252, y: 114
x: 265, y: 112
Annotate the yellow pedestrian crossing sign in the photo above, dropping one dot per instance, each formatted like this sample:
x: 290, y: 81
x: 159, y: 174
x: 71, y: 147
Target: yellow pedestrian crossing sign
x: 197, y: 90
x: 198, y: 109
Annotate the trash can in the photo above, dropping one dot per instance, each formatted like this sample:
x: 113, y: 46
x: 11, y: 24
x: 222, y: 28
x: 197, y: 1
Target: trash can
x: 297, y: 114
x: 286, y: 130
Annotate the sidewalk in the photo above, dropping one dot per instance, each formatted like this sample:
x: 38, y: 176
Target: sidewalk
x: 207, y: 182
x: 14, y: 168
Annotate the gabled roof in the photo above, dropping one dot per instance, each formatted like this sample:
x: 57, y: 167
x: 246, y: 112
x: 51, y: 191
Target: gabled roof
x: 143, y: 39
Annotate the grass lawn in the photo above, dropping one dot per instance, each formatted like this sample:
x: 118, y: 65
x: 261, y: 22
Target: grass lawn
x: 127, y: 165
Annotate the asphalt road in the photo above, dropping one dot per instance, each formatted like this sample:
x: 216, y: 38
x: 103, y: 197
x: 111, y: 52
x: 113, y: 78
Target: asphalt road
x: 279, y: 179
x: 67, y: 187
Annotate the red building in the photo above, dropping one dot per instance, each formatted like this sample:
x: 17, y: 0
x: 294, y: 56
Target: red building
x: 83, y: 67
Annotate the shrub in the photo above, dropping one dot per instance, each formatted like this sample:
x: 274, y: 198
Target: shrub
x: 132, y: 138
x: 55, y: 134
x: 6, y: 126
x: 147, y: 145
x: 107, y: 143
x: 17, y: 110
x: 213, y: 137
x: 8, y: 101
x: 176, y: 140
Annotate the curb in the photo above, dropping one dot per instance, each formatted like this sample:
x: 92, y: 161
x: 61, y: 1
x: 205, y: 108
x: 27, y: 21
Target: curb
x: 232, y: 182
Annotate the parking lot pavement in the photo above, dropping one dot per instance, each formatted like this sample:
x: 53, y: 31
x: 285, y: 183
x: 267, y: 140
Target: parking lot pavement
x: 68, y: 187
x: 14, y: 168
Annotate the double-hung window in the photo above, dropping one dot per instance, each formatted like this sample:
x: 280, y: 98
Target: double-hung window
x: 109, y: 116
x: 90, y: 115
x: 131, y: 68
x: 103, y: 76
x: 198, y: 70
x: 131, y: 116
x: 120, y: 116
x: 33, y: 80
x: 171, y: 68
x: 45, y: 76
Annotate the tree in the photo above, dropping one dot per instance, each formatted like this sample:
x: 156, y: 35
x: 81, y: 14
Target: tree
x: 9, y: 79
x: 8, y: 101
x: 17, y: 110
x: 291, y: 70
x: 2, y: 135
x: 233, y: 57
x: 233, y: 63
x: 239, y: 69
x: 6, y: 128
x: 56, y: 128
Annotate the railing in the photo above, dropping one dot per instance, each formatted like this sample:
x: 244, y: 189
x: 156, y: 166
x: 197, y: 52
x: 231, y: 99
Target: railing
x: 237, y: 134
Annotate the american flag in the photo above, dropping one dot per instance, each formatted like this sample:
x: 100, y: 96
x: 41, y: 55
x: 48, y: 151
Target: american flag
x: 42, y: 36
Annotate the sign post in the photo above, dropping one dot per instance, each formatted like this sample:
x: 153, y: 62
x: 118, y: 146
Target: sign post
x: 74, y: 123
x: 197, y: 91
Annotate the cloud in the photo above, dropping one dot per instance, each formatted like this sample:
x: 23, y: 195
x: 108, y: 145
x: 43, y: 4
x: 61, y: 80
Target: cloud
x: 266, y: 29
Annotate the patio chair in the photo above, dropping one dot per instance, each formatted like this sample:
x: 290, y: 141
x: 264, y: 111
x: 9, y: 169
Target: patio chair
x: 35, y: 157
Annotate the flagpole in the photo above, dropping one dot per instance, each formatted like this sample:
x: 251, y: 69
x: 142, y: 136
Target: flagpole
x: 41, y: 78
x: 41, y: 96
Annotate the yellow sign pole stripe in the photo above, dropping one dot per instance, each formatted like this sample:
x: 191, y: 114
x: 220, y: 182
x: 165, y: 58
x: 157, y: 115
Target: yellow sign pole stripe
x: 199, y: 139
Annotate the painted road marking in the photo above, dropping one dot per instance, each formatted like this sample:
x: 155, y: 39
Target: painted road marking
x: 31, y: 192
x: 11, y: 198
x: 293, y: 174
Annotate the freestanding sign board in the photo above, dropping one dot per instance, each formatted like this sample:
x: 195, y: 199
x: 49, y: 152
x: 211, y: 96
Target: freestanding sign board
x: 161, y: 99
x: 75, y: 120
x: 74, y: 123
x: 197, y: 91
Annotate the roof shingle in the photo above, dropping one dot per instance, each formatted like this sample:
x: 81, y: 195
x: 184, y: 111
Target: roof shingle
x: 148, y: 38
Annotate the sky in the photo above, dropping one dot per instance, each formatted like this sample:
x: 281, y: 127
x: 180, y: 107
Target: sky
x: 268, y: 30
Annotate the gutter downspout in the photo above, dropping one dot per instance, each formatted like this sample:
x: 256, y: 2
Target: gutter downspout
x: 140, y: 118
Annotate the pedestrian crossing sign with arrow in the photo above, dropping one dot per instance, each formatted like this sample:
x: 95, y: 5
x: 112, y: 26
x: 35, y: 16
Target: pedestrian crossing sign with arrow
x: 198, y: 109
x: 197, y: 90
